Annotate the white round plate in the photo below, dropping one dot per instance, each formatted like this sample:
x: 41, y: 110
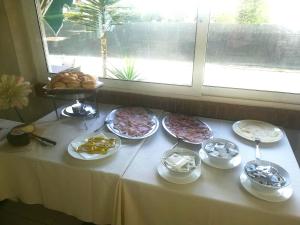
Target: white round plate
x: 180, y: 179
x: 279, y: 195
x: 234, y: 162
x: 251, y: 129
x: 109, y: 121
x: 86, y: 156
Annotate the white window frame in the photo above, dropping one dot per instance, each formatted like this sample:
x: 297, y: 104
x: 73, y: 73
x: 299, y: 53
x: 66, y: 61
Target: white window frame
x: 196, y: 92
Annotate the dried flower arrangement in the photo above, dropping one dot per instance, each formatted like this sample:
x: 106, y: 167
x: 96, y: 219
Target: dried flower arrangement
x: 14, y: 91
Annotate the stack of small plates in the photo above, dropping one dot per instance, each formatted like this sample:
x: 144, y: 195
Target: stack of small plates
x: 266, y: 180
x: 220, y: 153
x: 180, y: 166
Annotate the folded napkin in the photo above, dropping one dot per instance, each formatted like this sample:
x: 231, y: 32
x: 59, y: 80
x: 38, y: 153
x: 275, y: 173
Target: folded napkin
x: 181, y: 163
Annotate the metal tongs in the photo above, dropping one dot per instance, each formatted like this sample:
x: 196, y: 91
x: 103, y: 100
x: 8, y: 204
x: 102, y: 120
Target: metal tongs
x: 43, y: 141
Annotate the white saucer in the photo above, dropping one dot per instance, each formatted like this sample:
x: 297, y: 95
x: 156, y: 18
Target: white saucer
x: 234, y: 162
x: 279, y: 195
x: 178, y: 179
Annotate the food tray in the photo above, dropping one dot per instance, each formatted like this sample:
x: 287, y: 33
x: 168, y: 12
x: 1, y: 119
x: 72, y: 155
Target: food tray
x: 164, y: 121
x: 110, y: 124
x: 70, y: 91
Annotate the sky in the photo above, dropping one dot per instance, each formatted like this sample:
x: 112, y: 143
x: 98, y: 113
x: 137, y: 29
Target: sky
x: 281, y: 12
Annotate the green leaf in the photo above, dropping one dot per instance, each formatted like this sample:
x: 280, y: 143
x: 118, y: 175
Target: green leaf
x: 99, y: 14
x: 128, y: 72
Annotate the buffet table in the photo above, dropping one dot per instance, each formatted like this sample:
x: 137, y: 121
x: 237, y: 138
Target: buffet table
x: 216, y: 198
x: 125, y: 189
x: 49, y: 176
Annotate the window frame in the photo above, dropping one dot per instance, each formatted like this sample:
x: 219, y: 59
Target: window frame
x: 196, y: 92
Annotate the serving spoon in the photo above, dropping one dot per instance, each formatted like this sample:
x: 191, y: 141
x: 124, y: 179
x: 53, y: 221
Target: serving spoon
x: 257, y: 149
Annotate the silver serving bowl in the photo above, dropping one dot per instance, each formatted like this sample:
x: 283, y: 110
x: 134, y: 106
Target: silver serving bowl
x: 265, y: 175
x: 181, y: 152
x: 219, y: 150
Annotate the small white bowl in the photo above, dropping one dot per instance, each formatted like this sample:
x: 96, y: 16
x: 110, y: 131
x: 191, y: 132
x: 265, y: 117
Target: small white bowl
x: 267, y: 187
x: 182, y: 152
x: 220, y: 151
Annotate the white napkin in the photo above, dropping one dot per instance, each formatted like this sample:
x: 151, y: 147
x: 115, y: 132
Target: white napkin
x: 181, y: 163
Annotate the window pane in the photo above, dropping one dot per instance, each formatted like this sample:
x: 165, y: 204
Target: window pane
x: 254, y: 44
x: 151, y: 41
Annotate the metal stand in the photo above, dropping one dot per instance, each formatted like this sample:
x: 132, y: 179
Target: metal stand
x: 79, y: 96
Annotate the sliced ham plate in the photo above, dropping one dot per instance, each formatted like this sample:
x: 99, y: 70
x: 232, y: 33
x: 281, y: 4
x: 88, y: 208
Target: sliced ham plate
x: 188, y: 128
x: 133, y: 122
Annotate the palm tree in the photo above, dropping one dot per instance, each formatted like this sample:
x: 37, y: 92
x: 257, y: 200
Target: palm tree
x: 100, y: 16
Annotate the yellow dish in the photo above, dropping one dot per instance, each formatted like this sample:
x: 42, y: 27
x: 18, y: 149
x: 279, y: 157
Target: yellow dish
x: 97, y: 145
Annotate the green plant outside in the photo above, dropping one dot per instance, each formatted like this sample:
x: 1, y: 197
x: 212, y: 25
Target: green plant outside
x: 128, y: 72
x: 99, y: 16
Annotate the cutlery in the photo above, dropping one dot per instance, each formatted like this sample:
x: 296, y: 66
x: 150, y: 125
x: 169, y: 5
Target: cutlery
x: 257, y: 149
x: 102, y: 126
x: 43, y: 141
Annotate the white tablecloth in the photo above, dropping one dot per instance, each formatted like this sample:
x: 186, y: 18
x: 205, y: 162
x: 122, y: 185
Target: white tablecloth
x: 216, y: 198
x: 49, y: 176
x: 125, y: 188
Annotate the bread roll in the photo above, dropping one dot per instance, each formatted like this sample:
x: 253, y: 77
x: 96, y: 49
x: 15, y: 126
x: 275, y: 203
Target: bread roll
x: 73, y: 80
x: 88, y: 84
x: 73, y: 84
x: 89, y: 77
x: 58, y: 85
x: 68, y: 79
x: 56, y: 78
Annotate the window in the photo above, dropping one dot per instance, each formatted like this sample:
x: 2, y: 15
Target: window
x: 254, y: 44
x: 149, y: 41
x: 236, y: 51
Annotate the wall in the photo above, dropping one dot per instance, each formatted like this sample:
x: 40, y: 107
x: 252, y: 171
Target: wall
x: 7, y: 51
x: 16, y: 58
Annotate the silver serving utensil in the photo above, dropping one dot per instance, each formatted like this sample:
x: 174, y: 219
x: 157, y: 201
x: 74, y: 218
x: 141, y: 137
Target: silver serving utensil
x: 257, y: 149
x: 102, y: 126
x: 177, y: 142
x: 43, y: 141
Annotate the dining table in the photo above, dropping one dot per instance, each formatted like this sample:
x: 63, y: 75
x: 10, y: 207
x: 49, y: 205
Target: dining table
x: 37, y: 174
x: 126, y: 188
x: 216, y: 198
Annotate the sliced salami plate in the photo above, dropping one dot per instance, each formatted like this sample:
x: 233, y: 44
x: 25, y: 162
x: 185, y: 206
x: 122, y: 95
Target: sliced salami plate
x: 190, y: 129
x: 132, y: 122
